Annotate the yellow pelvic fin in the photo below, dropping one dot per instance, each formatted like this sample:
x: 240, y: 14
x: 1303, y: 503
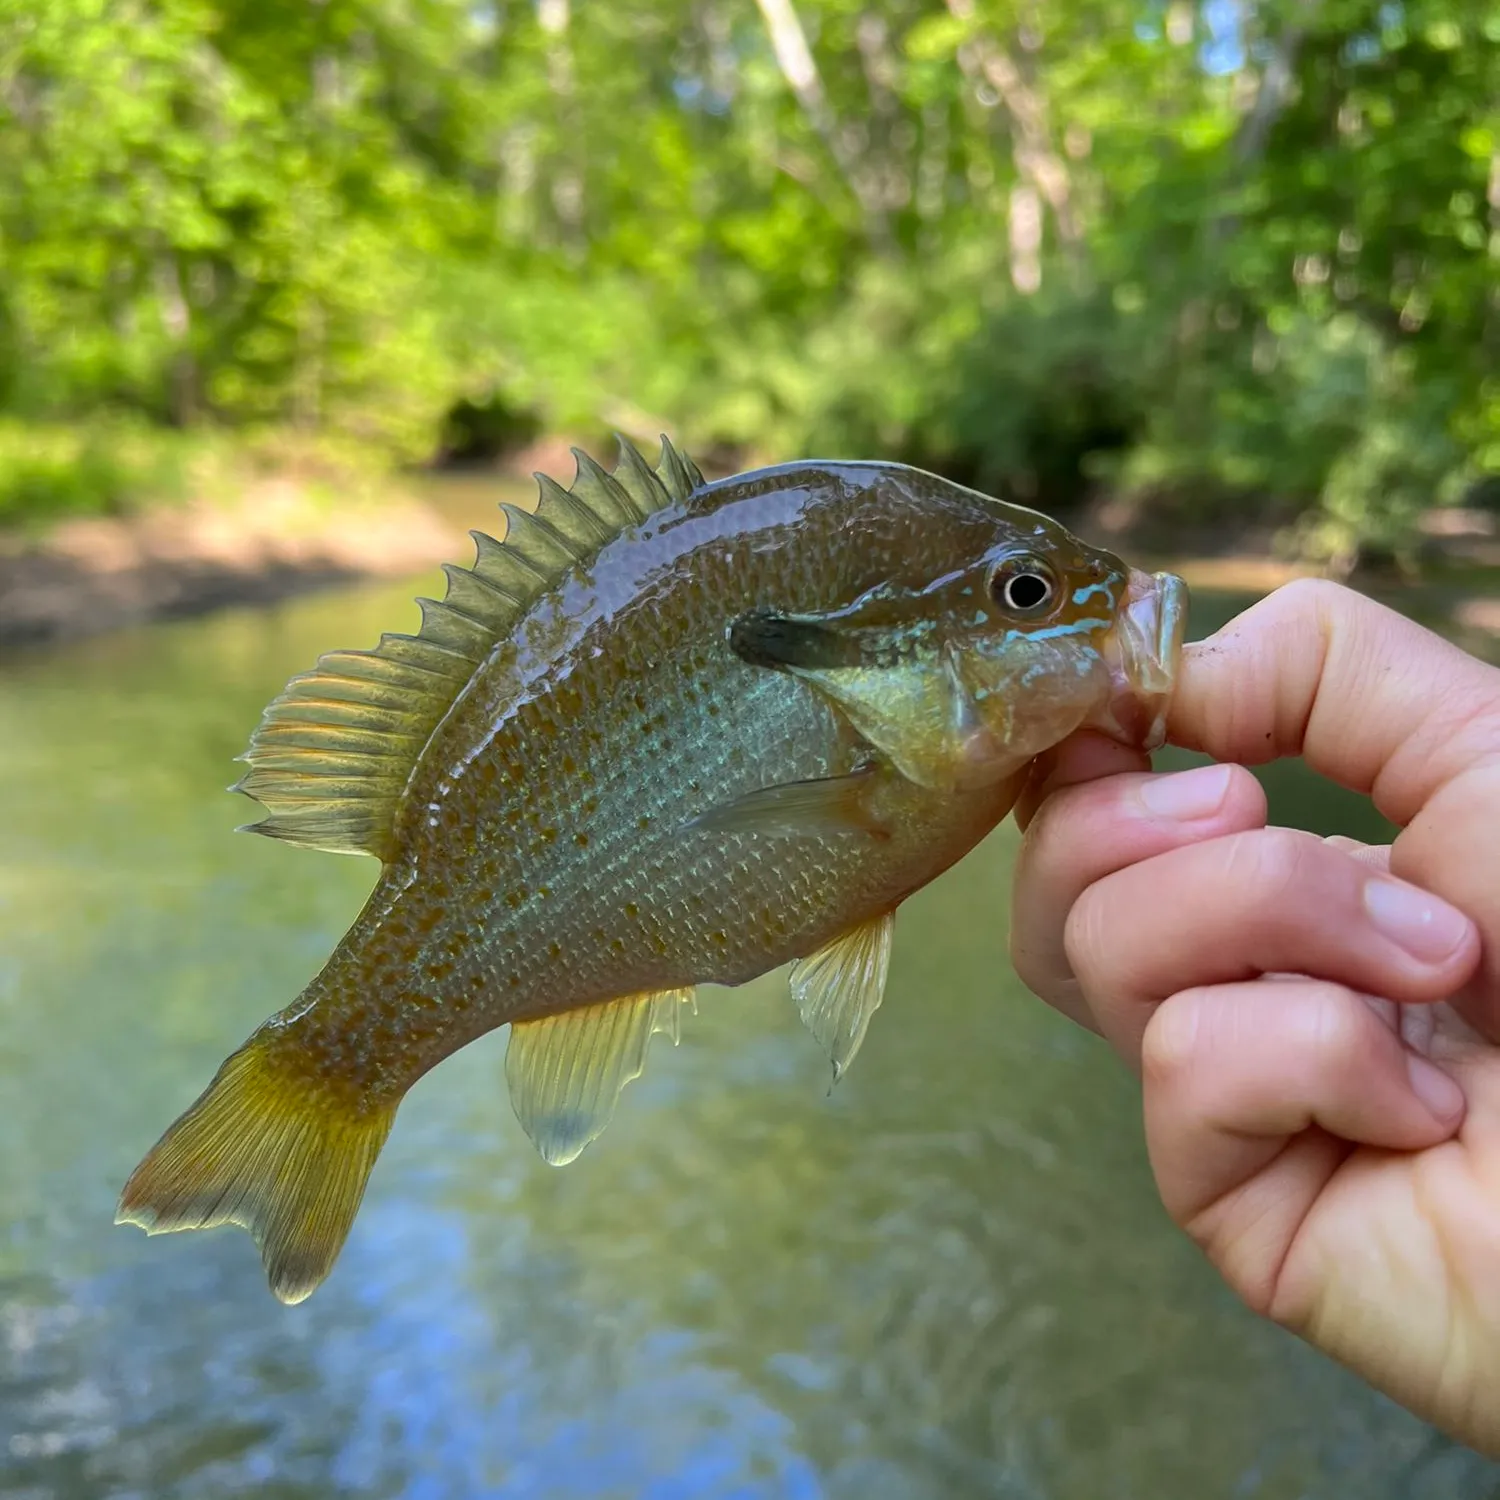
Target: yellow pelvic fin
x: 333, y: 753
x: 566, y: 1071
x: 838, y: 988
x: 266, y: 1149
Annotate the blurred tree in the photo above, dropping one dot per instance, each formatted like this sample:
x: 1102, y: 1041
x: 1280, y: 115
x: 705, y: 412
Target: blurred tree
x: 1210, y: 253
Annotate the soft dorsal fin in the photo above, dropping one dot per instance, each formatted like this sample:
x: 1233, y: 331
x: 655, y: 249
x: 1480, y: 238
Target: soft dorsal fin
x: 332, y: 755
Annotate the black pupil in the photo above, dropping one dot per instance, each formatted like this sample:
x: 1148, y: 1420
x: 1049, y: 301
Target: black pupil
x: 1026, y: 591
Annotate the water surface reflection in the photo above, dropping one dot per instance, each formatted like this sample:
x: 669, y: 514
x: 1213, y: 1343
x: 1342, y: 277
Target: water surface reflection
x: 949, y: 1279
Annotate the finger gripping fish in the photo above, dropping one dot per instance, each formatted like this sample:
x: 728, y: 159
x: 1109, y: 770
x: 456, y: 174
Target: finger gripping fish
x: 662, y: 733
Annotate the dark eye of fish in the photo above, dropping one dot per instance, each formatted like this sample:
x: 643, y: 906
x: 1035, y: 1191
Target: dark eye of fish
x: 1023, y: 585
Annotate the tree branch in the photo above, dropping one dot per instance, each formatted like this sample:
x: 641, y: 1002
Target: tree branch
x: 794, y: 58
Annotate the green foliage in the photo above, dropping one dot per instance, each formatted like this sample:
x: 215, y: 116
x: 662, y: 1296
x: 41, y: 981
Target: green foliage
x: 101, y: 468
x: 1217, y: 256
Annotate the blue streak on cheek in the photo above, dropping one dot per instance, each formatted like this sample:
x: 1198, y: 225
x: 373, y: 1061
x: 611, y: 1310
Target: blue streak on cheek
x: 1087, y: 592
x: 1054, y: 632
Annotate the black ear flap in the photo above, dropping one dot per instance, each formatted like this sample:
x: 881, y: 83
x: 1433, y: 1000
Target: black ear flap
x: 767, y: 638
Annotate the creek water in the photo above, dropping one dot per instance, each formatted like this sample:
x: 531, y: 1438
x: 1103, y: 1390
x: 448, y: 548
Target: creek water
x: 950, y: 1278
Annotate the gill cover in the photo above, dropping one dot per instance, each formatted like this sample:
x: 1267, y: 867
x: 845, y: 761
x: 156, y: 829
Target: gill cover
x: 951, y: 710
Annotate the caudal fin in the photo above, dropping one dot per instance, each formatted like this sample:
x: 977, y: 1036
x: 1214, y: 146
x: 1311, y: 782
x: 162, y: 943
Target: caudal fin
x: 272, y: 1150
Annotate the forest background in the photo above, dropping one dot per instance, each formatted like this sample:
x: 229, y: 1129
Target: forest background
x: 1218, y: 262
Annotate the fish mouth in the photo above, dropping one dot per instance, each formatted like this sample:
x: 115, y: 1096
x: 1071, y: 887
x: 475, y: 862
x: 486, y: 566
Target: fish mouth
x: 1143, y: 653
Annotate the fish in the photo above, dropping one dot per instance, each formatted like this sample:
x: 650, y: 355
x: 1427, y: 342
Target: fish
x: 662, y: 733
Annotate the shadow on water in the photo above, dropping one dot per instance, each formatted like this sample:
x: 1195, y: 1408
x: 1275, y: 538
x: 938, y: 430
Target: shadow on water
x: 950, y: 1278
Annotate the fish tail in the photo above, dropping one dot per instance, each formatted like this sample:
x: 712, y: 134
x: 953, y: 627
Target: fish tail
x: 273, y: 1148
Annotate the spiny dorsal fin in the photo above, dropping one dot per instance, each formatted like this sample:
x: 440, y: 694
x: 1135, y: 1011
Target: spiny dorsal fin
x: 333, y: 753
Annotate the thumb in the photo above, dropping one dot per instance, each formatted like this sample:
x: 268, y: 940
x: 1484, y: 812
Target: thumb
x: 1382, y: 706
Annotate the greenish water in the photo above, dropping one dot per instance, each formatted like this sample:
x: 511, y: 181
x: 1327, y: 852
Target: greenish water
x: 949, y: 1279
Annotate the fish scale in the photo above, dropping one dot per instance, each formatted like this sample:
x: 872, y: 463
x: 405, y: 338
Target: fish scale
x: 663, y: 733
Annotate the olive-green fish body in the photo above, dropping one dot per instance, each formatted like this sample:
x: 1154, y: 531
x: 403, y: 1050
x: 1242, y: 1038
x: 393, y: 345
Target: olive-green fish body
x: 678, y: 733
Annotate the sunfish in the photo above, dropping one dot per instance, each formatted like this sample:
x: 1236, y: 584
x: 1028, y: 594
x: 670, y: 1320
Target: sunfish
x: 662, y: 733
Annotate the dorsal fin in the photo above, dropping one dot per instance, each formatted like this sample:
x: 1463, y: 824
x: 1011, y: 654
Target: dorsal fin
x: 333, y: 753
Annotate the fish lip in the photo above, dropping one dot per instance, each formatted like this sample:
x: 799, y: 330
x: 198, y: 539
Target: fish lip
x: 1144, y: 653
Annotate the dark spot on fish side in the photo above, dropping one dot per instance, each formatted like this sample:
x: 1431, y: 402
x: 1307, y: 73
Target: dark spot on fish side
x: 581, y: 839
x: 631, y: 909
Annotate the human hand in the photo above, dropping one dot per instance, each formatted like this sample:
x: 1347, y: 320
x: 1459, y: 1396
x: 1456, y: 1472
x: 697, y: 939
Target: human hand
x: 1315, y: 1021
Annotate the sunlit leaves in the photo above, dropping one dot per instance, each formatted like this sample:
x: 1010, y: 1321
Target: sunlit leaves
x: 345, y: 216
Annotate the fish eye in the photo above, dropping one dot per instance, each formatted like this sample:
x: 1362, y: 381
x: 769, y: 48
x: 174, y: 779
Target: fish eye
x: 1023, y: 585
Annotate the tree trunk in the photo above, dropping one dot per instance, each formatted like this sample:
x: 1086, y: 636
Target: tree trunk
x: 794, y: 58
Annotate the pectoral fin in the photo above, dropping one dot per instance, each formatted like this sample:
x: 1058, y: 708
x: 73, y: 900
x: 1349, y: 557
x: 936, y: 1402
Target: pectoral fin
x: 566, y: 1071
x: 838, y: 988
x: 831, y: 804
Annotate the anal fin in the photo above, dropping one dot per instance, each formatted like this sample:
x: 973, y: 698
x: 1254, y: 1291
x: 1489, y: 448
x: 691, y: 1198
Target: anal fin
x: 566, y: 1071
x: 838, y: 988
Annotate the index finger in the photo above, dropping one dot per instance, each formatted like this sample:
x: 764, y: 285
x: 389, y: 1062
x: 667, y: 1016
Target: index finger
x: 1380, y: 705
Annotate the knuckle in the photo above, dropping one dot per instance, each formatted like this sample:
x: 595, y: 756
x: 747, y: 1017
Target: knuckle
x: 1086, y: 934
x: 1304, y: 597
x: 1173, y: 1043
x: 1337, y: 1021
x: 1272, y: 865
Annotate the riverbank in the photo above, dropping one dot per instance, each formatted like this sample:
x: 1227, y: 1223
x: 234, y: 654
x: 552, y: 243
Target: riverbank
x: 279, y: 537
x: 273, y: 539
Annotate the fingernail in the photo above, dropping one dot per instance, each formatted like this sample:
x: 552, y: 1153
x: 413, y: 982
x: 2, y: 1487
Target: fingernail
x: 1187, y: 794
x: 1434, y: 1087
x: 1427, y: 928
